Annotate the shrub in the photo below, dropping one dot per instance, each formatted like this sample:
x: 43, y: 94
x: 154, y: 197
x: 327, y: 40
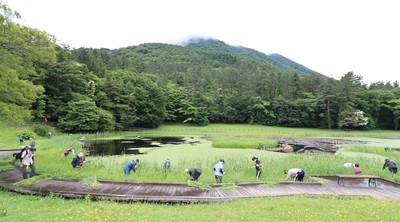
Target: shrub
x: 40, y: 130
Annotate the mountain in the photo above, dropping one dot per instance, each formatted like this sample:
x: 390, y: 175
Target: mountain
x: 274, y: 59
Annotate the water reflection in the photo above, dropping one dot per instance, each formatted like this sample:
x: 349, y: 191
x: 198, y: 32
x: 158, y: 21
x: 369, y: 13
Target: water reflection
x: 136, y: 145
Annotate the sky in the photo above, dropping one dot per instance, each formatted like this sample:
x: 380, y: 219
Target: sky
x: 331, y: 37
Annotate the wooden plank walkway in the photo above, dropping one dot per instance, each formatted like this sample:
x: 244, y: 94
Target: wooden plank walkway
x: 159, y: 192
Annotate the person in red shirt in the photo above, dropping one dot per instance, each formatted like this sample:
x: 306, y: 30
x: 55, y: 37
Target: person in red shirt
x: 357, y: 169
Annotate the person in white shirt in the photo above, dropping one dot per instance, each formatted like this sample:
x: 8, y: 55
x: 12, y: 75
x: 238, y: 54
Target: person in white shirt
x: 295, y: 173
x: 27, y: 160
x: 218, y: 170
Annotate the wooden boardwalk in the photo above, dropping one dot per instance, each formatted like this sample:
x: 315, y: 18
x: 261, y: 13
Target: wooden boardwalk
x: 160, y: 192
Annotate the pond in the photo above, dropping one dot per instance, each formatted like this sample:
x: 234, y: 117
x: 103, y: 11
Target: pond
x: 136, y: 145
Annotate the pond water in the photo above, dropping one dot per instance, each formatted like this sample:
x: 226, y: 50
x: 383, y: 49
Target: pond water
x: 128, y: 146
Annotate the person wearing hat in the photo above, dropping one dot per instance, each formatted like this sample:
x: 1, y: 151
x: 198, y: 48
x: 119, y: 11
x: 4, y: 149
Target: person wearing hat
x: 390, y: 165
x: 194, y: 173
x: 218, y: 170
x: 78, y: 160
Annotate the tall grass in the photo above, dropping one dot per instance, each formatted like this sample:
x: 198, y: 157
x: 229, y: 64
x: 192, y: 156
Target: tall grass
x: 242, y: 143
x: 203, y: 155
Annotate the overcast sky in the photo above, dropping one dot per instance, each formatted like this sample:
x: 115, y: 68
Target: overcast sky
x: 328, y: 36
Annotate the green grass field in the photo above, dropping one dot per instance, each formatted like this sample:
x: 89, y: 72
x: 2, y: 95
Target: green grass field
x: 236, y: 144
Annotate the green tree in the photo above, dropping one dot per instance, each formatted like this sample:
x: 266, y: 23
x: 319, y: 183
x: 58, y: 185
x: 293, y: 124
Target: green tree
x: 84, y: 116
x: 137, y: 100
x: 261, y: 114
x: 349, y: 119
x: 64, y: 82
x: 22, y: 51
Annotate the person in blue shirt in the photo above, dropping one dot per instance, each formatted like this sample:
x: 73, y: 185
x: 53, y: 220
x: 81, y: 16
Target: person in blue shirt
x: 83, y: 140
x: 167, y: 165
x: 131, y: 165
x: 32, y: 143
x: 218, y: 170
x: 21, y: 139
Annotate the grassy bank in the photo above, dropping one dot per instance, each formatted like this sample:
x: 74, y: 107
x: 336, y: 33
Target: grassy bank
x: 14, y: 207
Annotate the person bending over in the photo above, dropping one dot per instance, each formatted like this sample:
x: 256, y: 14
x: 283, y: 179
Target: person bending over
x: 390, y: 165
x: 194, y: 173
x: 296, y: 173
x: 131, y: 165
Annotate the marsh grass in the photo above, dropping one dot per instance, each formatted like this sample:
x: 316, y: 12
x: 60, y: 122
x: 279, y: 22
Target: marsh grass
x: 90, y: 181
x: 6, y: 167
x: 242, y: 143
x: 32, y: 180
x: 5, y: 160
x: 228, y: 186
x: 202, y: 155
x: 5, y: 163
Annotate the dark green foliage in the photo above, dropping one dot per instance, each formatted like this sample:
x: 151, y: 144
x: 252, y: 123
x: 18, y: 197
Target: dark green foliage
x: 64, y: 82
x: 84, y: 116
x: 137, y: 100
x: 22, y: 51
x: 41, y: 130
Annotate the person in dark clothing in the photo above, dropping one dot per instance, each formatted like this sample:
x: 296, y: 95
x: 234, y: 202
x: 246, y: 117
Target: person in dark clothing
x: 194, y: 173
x: 21, y: 139
x: 390, y: 165
x: 131, y: 165
x: 257, y: 165
x: 296, y: 173
x: 70, y: 150
x: 78, y: 160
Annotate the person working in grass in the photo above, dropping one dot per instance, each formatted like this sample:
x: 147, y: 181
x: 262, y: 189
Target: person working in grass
x: 70, y: 150
x: 131, y: 165
x: 295, y: 173
x: 27, y: 160
x: 218, y: 170
x: 357, y: 169
x: 167, y: 164
x: 78, y: 160
x: 257, y: 165
x: 390, y: 165
x: 194, y: 173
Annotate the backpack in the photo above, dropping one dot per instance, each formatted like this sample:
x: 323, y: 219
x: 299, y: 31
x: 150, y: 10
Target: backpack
x: 19, y: 155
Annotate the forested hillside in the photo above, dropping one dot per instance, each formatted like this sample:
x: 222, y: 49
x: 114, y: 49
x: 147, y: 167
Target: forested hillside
x: 200, y: 82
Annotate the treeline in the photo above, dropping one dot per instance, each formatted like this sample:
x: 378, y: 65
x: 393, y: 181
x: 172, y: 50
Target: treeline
x: 207, y: 81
